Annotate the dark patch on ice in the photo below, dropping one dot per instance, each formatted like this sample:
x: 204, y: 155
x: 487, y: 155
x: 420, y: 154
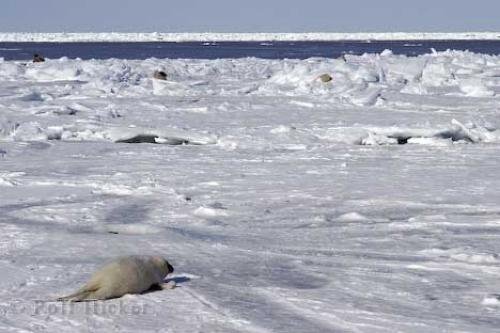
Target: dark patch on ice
x: 217, y: 205
x: 3, y: 153
x: 38, y: 145
x: 65, y: 112
x: 136, y: 212
x: 454, y: 135
x: 40, y: 203
x: 114, y: 114
x: 54, y: 136
x: 472, y: 230
x: 140, y: 139
x: 147, y: 138
x: 152, y: 289
x: 446, y: 135
x: 32, y: 97
x: 178, y: 279
x: 199, y: 235
x: 214, y: 222
x: 402, y: 140
x: 295, y: 280
x: 431, y: 297
x: 33, y: 224
x: 490, y: 212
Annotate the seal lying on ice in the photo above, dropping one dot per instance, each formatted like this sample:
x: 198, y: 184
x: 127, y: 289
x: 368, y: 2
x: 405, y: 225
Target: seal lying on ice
x: 126, y: 275
x: 160, y: 75
x: 38, y: 58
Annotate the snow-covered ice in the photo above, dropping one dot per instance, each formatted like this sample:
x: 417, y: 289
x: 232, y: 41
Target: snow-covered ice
x: 366, y: 204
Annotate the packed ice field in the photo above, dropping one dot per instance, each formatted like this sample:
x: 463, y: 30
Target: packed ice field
x: 368, y: 203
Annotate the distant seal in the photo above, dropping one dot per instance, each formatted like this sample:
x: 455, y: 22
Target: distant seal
x: 125, y: 275
x: 325, y: 78
x: 38, y: 58
x: 160, y: 75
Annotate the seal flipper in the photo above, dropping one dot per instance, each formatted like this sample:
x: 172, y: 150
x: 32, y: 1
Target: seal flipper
x: 169, y: 285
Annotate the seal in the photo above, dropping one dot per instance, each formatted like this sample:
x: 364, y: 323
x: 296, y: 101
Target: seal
x: 325, y: 78
x: 125, y: 275
x: 38, y: 58
x: 160, y: 75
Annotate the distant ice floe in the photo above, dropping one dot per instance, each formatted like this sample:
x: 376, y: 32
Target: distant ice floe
x: 165, y: 136
x: 33, y: 131
x: 235, y: 37
x: 455, y: 132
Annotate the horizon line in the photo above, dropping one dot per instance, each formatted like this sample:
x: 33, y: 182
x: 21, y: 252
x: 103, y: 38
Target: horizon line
x: 240, y: 36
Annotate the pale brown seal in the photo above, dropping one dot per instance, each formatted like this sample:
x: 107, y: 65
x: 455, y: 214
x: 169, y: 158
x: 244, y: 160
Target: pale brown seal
x: 126, y: 275
x: 325, y: 78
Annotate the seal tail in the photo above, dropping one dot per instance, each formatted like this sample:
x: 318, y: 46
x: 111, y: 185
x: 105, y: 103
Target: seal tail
x: 79, y: 296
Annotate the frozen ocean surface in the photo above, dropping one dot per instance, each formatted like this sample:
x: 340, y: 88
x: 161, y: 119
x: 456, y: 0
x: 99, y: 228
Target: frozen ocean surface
x: 369, y: 203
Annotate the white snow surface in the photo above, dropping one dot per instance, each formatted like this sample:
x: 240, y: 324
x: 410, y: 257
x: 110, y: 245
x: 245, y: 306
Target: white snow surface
x: 228, y: 37
x: 366, y: 204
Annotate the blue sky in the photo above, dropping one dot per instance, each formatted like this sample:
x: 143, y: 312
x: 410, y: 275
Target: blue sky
x: 249, y: 15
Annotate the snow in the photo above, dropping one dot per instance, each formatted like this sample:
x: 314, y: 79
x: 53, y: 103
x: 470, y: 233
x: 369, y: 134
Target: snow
x: 266, y: 38
x: 366, y: 204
